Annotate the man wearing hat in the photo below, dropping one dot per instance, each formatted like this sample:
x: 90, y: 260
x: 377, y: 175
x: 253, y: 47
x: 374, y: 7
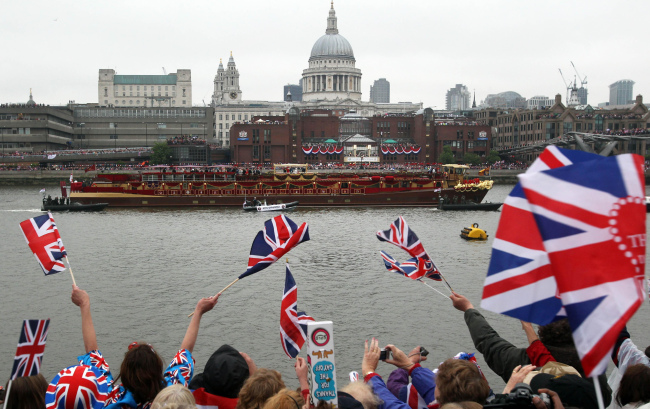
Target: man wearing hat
x: 222, y: 378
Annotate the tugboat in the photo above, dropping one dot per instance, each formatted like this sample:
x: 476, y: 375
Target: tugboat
x: 473, y: 233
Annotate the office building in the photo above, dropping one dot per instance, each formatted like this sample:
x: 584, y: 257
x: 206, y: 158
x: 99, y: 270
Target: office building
x: 458, y: 98
x: 164, y: 91
x: 620, y: 92
x: 380, y: 91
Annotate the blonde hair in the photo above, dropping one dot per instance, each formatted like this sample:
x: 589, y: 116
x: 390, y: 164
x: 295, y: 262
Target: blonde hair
x: 174, y: 397
x: 285, y: 399
x: 259, y: 387
x: 362, y: 392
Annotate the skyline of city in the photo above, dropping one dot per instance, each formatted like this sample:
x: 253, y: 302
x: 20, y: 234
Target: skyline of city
x: 268, y: 62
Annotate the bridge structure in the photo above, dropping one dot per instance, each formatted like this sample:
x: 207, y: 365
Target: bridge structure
x: 602, y: 144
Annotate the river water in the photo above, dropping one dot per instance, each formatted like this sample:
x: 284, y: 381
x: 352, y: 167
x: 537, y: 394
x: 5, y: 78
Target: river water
x: 145, y: 269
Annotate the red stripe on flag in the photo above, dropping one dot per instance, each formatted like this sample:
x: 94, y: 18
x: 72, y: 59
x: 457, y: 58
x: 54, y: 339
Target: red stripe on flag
x: 596, y: 354
x: 568, y: 210
x: 513, y: 283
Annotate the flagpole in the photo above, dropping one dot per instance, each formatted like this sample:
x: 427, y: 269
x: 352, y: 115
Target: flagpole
x: 70, y: 268
x: 227, y: 287
x: 443, y: 277
x: 4, y: 406
x: 434, y: 289
x: 599, y: 394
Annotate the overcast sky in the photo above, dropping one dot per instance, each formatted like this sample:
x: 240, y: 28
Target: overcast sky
x: 423, y: 47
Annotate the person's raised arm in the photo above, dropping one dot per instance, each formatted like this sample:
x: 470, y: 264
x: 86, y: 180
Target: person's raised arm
x: 530, y: 332
x: 81, y: 299
x: 204, y: 305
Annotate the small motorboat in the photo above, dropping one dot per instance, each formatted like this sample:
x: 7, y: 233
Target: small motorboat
x: 261, y: 206
x: 473, y: 233
x: 469, y: 206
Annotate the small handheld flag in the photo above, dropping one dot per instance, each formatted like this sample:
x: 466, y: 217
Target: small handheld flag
x: 280, y: 235
x: 31, y: 346
x: 420, y: 265
x: 45, y: 242
x: 293, y: 324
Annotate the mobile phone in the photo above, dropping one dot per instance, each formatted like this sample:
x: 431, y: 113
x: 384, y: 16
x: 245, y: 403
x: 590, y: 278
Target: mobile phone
x: 385, y: 354
x: 423, y: 351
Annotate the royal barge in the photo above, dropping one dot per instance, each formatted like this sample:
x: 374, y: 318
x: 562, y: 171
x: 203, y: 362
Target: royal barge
x: 286, y: 183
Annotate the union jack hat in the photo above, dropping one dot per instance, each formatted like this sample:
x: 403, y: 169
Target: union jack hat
x: 77, y: 387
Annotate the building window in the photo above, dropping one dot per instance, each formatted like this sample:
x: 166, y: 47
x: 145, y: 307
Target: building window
x: 227, y: 117
x: 256, y: 152
x: 184, y: 102
x: 267, y: 136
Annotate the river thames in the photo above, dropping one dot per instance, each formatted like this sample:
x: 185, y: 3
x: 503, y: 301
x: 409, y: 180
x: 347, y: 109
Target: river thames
x: 145, y: 269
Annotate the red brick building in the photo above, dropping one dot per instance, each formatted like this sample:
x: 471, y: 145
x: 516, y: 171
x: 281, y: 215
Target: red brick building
x: 325, y: 136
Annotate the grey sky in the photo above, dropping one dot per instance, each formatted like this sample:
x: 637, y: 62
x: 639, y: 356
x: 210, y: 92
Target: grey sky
x: 423, y: 47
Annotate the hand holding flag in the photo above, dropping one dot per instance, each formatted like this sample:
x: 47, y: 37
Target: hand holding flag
x: 279, y: 236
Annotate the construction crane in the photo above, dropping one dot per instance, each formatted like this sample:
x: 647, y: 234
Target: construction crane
x: 164, y: 70
x: 568, y: 86
x: 583, y: 81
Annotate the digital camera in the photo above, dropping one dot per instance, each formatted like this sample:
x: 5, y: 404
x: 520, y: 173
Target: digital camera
x: 521, y: 396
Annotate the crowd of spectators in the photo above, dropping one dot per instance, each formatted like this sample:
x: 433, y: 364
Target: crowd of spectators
x: 549, y: 366
x: 186, y: 140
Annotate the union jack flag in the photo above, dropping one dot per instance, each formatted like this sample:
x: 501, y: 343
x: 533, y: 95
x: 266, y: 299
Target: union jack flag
x: 520, y: 281
x: 280, y: 235
x: 590, y: 219
x: 31, y: 346
x: 43, y: 239
x: 414, y: 268
x: 293, y: 324
x: 420, y: 265
x: 78, y: 387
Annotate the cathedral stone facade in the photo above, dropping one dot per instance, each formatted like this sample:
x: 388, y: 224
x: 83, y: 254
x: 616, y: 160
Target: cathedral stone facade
x: 332, y: 82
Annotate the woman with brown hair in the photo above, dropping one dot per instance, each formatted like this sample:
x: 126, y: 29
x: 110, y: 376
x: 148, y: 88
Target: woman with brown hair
x: 259, y: 387
x: 634, y: 389
x: 27, y: 392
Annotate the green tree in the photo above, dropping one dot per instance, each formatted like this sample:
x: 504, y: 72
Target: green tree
x: 472, y: 158
x: 447, y: 156
x: 493, y: 156
x: 160, y: 154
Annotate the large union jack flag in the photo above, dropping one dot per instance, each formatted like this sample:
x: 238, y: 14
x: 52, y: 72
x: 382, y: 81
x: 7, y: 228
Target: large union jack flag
x: 417, y: 267
x: 293, y: 324
x: 589, y: 218
x: 520, y: 281
x: 77, y: 387
x: 280, y: 235
x: 31, y: 346
x: 43, y: 239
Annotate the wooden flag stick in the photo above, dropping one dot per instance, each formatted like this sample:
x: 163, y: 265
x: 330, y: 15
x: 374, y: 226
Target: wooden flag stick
x: 443, y: 277
x: 70, y: 268
x: 227, y: 287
